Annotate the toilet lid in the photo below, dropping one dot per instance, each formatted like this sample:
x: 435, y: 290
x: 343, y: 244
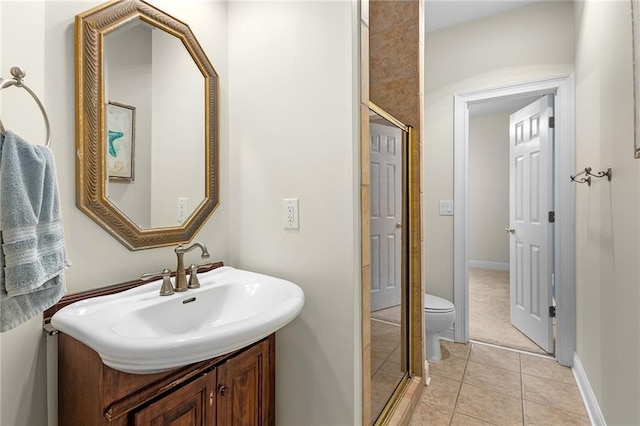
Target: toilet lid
x: 438, y: 304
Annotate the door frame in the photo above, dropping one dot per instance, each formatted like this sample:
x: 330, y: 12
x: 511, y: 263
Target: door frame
x: 563, y: 88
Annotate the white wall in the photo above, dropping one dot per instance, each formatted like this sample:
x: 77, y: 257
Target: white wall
x: 128, y: 81
x: 489, y: 188
x: 293, y: 118
x: 294, y: 68
x: 607, y: 227
x: 45, y: 48
x: 524, y: 44
x: 179, y: 165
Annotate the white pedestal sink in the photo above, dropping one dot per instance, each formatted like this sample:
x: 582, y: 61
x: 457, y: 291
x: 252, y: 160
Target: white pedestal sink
x: 137, y: 331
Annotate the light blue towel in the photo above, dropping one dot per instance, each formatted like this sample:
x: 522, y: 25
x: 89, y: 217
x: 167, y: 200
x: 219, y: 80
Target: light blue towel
x: 32, y: 254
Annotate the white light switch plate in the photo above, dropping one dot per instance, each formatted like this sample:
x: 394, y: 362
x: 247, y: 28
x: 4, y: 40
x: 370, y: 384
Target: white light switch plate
x: 446, y: 208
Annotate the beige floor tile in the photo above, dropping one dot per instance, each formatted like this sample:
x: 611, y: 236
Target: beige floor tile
x: 385, y: 330
x: 494, y: 378
x: 426, y: 414
x: 382, y: 348
x: 462, y: 420
x: 542, y: 415
x: 441, y: 394
x: 383, y: 382
x: 397, y: 353
x: 553, y: 393
x: 457, y: 350
x: 382, y: 386
x: 376, y: 363
x: 451, y: 368
x: 545, y: 367
x: 489, y: 406
x: 390, y: 366
x: 497, y: 357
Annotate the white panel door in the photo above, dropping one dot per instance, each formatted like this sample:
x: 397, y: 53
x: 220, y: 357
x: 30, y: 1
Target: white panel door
x: 386, y: 214
x: 531, y: 200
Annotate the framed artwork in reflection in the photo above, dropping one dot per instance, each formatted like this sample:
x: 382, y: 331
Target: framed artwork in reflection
x: 121, y: 130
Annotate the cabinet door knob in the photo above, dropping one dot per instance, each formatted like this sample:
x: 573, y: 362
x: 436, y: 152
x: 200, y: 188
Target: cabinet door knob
x: 223, y: 390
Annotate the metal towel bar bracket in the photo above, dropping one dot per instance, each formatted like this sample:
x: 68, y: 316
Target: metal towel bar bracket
x: 589, y: 174
x: 18, y: 74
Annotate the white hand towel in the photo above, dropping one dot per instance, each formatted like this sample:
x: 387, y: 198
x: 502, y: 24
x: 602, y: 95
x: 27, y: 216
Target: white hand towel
x: 32, y: 251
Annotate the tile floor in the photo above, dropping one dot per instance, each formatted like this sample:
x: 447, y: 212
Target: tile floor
x: 476, y: 384
x: 386, y: 363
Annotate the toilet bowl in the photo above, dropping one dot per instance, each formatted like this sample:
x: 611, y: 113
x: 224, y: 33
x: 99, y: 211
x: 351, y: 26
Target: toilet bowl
x: 439, y: 315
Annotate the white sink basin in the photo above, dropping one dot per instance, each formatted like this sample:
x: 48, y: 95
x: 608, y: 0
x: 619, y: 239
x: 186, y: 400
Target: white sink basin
x: 138, y: 331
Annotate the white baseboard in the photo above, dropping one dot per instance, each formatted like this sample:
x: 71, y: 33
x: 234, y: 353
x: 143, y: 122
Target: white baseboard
x: 588, y: 397
x: 498, y: 266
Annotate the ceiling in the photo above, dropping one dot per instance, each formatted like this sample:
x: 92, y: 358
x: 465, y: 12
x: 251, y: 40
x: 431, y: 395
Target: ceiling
x: 441, y: 14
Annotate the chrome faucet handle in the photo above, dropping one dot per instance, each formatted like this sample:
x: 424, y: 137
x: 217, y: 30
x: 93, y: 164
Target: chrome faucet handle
x: 194, y: 282
x: 167, y: 287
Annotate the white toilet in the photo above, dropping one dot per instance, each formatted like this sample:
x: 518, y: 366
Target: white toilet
x: 439, y: 315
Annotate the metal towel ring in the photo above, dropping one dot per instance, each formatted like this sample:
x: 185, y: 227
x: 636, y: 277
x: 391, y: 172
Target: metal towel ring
x: 18, y: 74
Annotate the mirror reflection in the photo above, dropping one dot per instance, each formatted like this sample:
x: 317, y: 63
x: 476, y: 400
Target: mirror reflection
x: 389, y: 331
x: 155, y: 122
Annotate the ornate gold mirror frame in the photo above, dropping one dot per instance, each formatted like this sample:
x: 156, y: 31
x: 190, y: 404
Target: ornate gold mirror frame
x: 91, y: 28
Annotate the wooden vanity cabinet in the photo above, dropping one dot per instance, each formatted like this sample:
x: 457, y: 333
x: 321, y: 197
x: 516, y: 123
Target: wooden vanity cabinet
x: 242, y: 381
x: 234, y: 389
x: 191, y: 404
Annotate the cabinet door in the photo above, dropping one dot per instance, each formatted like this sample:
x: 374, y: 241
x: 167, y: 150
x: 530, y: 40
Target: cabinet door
x: 243, y: 388
x: 193, y: 404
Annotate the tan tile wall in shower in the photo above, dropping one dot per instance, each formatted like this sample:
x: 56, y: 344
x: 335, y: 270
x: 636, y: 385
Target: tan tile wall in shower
x: 394, y: 67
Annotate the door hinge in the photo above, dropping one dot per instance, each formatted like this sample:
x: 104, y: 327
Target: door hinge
x: 552, y: 122
x: 552, y: 311
x: 552, y: 217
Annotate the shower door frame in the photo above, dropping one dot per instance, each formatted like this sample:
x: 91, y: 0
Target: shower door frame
x: 405, y: 267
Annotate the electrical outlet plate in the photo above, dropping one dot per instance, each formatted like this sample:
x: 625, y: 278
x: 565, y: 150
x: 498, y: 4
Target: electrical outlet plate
x: 290, y: 213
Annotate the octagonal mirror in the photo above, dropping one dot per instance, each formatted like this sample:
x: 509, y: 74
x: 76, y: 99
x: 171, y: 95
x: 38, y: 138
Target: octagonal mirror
x: 147, y: 125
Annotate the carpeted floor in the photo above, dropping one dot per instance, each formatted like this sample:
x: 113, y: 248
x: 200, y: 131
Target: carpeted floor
x: 489, y: 318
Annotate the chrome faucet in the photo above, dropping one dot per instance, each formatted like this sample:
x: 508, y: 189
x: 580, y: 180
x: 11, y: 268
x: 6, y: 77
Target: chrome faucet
x: 181, y: 276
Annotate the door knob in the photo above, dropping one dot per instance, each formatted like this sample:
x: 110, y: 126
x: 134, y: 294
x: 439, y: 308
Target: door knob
x: 398, y: 225
x: 223, y: 390
x: 510, y: 230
